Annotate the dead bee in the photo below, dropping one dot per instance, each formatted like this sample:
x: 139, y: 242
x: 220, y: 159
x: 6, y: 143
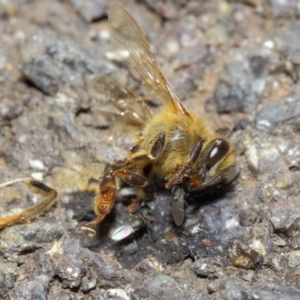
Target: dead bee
x: 176, y: 146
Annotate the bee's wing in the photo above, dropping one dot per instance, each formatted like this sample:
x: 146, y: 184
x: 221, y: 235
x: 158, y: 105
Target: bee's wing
x: 126, y: 35
x: 117, y: 99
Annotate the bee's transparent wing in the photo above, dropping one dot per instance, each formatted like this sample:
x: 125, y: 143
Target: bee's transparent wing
x: 117, y: 99
x: 127, y: 36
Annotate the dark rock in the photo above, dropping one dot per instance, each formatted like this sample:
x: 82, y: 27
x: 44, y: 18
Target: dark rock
x: 215, y: 220
x: 91, y: 10
x: 27, y: 238
x: 64, y: 295
x: 151, y: 265
x: 242, y: 82
x: 278, y: 263
x: 162, y: 285
x: 283, y: 8
x: 237, y: 291
x: 208, y: 268
x: 288, y: 44
x: 53, y: 63
x: 8, y: 109
x: 244, y: 257
x: 293, y: 276
x: 88, y: 283
x: 108, y: 272
x: 99, y: 295
x: 142, y: 292
x: 69, y: 266
x: 44, y: 264
x: 36, y: 288
x: 247, y: 217
x: 201, y: 268
x: 167, y: 9
x: 285, y: 215
x: 216, y: 285
x: 8, y: 277
x: 277, y: 113
x: 172, y: 249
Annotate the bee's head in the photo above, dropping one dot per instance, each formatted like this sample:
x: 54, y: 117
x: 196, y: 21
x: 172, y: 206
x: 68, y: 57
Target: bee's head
x: 214, y: 165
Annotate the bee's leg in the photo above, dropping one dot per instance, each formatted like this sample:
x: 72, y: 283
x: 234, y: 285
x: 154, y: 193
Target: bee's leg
x: 176, y: 179
x: 141, y: 181
x: 184, y: 172
x: 141, y: 155
x: 135, y: 179
x: 158, y: 146
x: 33, y: 212
x: 105, y: 197
x: 217, y: 178
x: 106, y: 194
x: 136, y: 203
x: 130, y: 177
x: 137, y: 154
x: 122, y: 162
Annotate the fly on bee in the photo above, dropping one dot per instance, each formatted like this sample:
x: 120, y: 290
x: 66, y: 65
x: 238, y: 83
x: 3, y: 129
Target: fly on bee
x: 175, y: 147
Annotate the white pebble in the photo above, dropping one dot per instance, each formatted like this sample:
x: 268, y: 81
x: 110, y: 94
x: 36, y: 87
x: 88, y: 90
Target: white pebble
x: 36, y: 164
x: 252, y: 157
x: 269, y: 44
x: 37, y: 176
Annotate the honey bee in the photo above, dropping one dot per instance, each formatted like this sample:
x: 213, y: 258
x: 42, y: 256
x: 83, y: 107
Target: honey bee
x: 176, y: 146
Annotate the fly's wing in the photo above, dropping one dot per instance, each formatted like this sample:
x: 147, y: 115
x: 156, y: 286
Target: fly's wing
x: 177, y: 204
x: 127, y: 36
x: 117, y: 99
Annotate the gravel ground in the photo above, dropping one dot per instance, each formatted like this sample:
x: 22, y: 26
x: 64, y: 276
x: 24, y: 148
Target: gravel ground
x: 234, y: 62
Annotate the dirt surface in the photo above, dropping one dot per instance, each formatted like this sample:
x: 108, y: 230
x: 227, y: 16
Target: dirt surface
x: 234, y: 62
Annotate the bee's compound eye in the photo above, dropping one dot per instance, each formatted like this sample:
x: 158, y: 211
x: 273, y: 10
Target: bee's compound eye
x: 219, y: 148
